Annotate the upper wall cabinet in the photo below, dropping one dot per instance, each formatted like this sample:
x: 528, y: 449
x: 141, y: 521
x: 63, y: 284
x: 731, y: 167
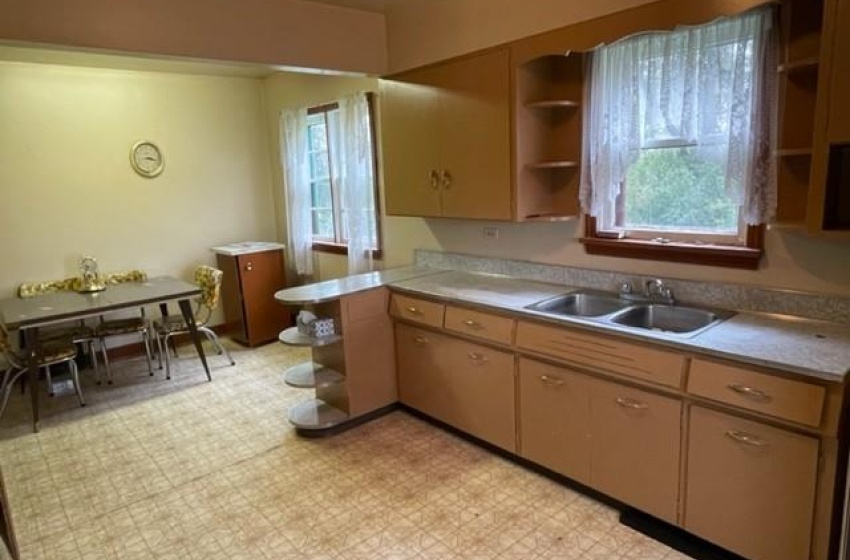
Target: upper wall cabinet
x: 446, y: 139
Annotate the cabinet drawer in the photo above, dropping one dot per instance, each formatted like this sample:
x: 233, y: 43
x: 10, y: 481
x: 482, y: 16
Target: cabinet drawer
x: 600, y: 352
x: 479, y: 324
x: 417, y: 310
x: 775, y: 396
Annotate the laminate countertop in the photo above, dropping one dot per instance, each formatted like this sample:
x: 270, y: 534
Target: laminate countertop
x: 818, y: 349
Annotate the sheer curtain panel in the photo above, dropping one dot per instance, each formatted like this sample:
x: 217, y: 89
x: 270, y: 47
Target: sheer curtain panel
x: 296, y: 172
x: 710, y: 88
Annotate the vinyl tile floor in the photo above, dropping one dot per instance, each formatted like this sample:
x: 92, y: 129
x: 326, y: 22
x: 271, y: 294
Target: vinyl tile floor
x: 186, y: 469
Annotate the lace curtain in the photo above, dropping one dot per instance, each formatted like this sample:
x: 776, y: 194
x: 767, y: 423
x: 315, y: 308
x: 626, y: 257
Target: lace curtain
x: 353, y: 172
x: 296, y: 170
x: 710, y: 87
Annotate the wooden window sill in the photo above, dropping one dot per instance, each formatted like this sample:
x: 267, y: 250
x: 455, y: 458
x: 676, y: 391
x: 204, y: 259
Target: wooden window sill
x: 340, y: 249
x: 710, y: 255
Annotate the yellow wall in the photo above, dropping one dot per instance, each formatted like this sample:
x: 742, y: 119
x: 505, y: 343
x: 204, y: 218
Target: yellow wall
x: 67, y: 188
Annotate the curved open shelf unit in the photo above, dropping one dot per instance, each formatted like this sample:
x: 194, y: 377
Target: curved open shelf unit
x: 311, y: 375
x: 316, y: 414
x: 293, y: 337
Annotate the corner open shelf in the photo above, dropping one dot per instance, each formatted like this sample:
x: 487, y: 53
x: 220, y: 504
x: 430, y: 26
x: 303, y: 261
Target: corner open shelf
x: 293, y: 337
x: 311, y: 375
x: 316, y: 414
x: 548, y: 115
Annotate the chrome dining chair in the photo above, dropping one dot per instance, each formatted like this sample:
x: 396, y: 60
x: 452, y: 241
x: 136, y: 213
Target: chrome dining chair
x: 209, y: 280
x: 50, y: 353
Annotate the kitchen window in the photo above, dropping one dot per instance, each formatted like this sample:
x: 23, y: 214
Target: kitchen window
x: 328, y: 209
x: 678, y: 143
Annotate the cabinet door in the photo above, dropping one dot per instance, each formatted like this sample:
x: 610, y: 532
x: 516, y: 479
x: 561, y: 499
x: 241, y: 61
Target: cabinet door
x: 262, y: 274
x: 421, y: 371
x: 636, y: 439
x: 409, y: 145
x: 475, y: 136
x: 554, y: 413
x: 750, y: 487
x: 479, y: 391
x: 839, y: 112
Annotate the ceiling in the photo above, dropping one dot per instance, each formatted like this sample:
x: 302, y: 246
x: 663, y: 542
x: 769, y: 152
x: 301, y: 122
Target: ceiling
x: 377, y: 6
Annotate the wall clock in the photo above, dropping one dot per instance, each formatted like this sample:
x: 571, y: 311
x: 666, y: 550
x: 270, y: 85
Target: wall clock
x: 146, y: 159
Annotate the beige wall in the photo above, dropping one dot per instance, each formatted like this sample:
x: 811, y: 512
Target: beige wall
x: 67, y: 188
x: 279, y: 32
x: 420, y: 32
x: 287, y: 90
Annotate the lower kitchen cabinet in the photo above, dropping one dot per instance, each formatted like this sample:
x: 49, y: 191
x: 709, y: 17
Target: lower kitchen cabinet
x: 554, y: 405
x: 750, y: 487
x: 619, y: 440
x: 636, y: 444
x: 468, y: 386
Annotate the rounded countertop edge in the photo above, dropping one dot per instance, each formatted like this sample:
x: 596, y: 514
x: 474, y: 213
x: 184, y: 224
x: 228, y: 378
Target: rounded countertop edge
x: 247, y: 248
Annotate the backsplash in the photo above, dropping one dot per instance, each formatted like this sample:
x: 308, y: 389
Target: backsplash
x: 737, y: 297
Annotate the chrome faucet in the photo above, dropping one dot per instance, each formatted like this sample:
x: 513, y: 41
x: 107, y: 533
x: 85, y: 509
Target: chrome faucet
x: 657, y: 290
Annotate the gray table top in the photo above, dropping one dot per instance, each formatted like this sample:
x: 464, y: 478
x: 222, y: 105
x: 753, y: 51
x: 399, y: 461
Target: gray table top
x: 21, y: 313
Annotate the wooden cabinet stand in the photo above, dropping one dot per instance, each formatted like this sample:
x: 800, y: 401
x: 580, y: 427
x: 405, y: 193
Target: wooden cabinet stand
x: 247, y: 290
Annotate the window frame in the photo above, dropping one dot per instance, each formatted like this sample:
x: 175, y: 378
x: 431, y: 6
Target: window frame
x: 745, y: 251
x: 338, y: 246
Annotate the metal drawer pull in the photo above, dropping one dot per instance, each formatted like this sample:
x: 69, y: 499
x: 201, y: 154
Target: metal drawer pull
x: 744, y: 437
x: 472, y: 324
x: 477, y: 358
x: 631, y: 403
x: 434, y: 178
x: 750, y: 392
x: 414, y: 310
x: 551, y: 380
x: 419, y: 339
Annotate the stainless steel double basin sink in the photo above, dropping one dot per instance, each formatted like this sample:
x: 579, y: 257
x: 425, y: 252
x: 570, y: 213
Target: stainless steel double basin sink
x: 608, y: 308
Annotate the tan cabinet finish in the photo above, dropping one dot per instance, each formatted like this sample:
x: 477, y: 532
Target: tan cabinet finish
x: 750, y: 487
x: 602, y: 352
x: 555, y: 418
x: 417, y: 310
x: 468, y: 386
x: 784, y: 398
x: 446, y: 139
x: 636, y: 439
x: 479, y: 324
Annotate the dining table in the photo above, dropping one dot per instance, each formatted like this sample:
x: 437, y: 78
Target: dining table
x: 28, y: 315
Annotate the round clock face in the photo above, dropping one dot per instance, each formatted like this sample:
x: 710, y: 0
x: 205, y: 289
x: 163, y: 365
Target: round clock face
x: 146, y: 159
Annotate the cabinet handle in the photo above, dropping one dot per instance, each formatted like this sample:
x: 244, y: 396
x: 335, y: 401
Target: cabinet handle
x: 446, y: 178
x: 249, y: 266
x: 420, y: 340
x: 631, y: 403
x: 551, y: 380
x: 750, y: 392
x: 414, y: 310
x: 434, y: 178
x: 477, y: 358
x: 472, y: 324
x: 744, y: 437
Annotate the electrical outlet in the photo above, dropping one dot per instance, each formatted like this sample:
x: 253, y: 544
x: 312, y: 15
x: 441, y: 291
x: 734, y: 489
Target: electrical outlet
x: 490, y: 232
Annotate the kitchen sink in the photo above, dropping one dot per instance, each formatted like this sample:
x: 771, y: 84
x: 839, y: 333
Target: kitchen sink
x: 581, y: 304
x: 644, y: 314
x: 669, y: 318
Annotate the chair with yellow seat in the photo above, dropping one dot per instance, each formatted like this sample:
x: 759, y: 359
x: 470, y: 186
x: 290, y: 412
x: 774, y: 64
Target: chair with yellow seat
x: 209, y: 280
x: 49, y: 353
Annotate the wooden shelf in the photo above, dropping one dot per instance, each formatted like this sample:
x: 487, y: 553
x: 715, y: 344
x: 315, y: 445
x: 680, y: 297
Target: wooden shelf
x: 293, y: 337
x: 561, y: 164
x: 552, y: 104
x: 311, y: 375
x: 549, y: 218
x: 793, y: 152
x: 802, y: 65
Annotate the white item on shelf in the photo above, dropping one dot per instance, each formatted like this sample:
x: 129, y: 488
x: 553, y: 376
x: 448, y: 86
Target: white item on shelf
x: 293, y: 337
